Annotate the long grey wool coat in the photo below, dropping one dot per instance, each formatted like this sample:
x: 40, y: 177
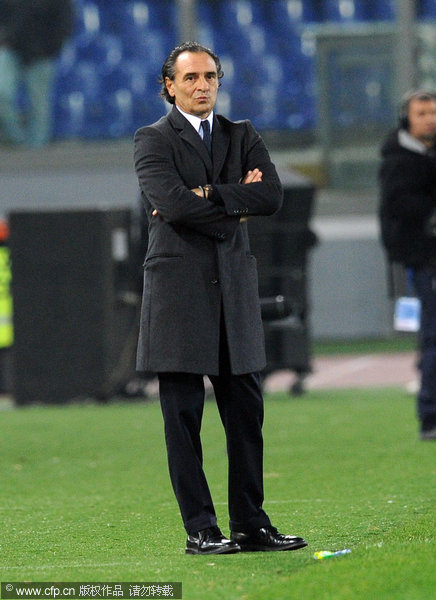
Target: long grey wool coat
x: 198, y: 260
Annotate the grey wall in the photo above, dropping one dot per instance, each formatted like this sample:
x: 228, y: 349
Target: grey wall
x: 348, y: 279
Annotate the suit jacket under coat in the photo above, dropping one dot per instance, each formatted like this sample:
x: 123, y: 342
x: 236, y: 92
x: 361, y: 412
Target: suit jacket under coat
x: 198, y: 258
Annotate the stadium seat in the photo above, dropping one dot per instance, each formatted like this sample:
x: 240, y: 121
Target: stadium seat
x: 81, y: 77
x: 129, y: 74
x: 297, y: 104
x: 208, y: 33
x: 77, y: 101
x: 382, y: 10
x: 286, y: 14
x: 242, y: 26
x: 101, y: 49
x: 87, y: 17
x: 152, y: 47
x: 77, y: 116
x: 344, y: 11
x: 360, y: 95
x: 148, y: 108
x: 240, y: 13
x: 427, y: 9
x: 117, y: 118
x: 69, y: 115
x: 140, y: 16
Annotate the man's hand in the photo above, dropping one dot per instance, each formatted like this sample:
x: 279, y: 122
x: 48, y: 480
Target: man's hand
x: 253, y: 176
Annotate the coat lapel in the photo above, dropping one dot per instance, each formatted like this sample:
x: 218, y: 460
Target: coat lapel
x: 190, y: 136
x: 220, y: 144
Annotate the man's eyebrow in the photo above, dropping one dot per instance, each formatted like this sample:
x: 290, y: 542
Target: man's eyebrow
x: 195, y: 73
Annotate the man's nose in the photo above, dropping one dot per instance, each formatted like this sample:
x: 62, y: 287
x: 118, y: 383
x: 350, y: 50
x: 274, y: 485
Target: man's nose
x: 203, y: 83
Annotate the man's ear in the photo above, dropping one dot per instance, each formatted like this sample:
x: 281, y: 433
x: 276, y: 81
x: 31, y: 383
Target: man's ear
x: 170, y: 86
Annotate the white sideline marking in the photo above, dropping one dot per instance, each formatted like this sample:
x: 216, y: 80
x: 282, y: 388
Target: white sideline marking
x: 71, y: 566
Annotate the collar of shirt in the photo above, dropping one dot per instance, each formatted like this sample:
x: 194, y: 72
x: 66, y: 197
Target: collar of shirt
x: 196, y: 121
x: 411, y: 143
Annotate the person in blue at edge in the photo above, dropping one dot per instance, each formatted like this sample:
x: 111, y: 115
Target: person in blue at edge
x: 408, y: 226
x: 200, y: 309
x: 31, y: 37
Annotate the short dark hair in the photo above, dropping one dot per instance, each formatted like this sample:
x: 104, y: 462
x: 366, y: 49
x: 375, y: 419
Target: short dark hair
x: 421, y: 95
x: 169, y: 70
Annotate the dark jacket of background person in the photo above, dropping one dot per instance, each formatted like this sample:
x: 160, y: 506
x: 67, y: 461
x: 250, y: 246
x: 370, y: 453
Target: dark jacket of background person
x: 35, y: 29
x: 205, y: 239
x: 408, y: 199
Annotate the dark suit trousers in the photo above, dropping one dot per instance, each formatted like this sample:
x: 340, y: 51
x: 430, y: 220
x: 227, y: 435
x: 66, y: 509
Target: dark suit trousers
x: 240, y: 404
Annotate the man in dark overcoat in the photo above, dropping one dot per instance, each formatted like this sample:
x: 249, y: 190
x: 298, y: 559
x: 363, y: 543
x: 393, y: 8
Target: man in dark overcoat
x: 201, y: 177
x: 407, y: 212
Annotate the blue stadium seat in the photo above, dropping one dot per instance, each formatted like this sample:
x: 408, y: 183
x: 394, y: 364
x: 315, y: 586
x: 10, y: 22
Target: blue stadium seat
x: 68, y: 115
x: 129, y: 74
x: 360, y: 95
x: 208, y: 33
x: 269, y: 93
x: 377, y: 101
x: 82, y: 77
x: 118, y: 114
x: 87, y: 17
x: 427, y: 9
x: 286, y: 14
x: 102, y: 49
x: 139, y: 16
x: 152, y: 47
x: 297, y: 104
x: 77, y: 101
x: 241, y: 24
x: 344, y: 11
x: 129, y: 16
x: 240, y: 13
x: 148, y: 108
x: 77, y: 116
x: 382, y: 10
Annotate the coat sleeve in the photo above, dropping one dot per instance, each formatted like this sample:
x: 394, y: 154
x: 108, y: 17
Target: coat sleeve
x: 164, y: 188
x: 254, y: 199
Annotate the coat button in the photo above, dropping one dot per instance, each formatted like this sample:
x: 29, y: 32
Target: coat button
x: 214, y: 281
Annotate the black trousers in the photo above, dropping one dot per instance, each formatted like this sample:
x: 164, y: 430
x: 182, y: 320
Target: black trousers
x: 240, y: 404
x: 425, y: 284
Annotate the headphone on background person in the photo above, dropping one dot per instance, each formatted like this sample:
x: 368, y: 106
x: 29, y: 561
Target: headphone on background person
x: 403, y: 116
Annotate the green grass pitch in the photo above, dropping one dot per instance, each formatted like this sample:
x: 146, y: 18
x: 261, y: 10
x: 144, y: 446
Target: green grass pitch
x: 85, y: 496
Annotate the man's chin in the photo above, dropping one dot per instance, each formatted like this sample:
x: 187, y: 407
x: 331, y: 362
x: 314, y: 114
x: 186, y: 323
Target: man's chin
x: 430, y: 137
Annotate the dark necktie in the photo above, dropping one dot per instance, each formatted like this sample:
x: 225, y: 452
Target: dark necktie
x: 207, y: 139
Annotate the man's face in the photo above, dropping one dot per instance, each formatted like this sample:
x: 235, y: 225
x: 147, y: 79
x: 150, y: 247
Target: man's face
x: 195, y: 85
x: 422, y: 120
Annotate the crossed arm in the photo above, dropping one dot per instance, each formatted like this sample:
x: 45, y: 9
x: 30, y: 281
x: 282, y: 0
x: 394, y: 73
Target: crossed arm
x: 158, y: 162
x: 252, y: 176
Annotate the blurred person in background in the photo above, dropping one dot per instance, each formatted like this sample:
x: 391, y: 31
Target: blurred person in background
x: 31, y: 36
x: 408, y: 226
x: 201, y: 176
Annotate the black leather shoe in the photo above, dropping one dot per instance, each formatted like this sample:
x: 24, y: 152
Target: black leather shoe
x: 210, y: 541
x: 428, y: 434
x: 267, y: 539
